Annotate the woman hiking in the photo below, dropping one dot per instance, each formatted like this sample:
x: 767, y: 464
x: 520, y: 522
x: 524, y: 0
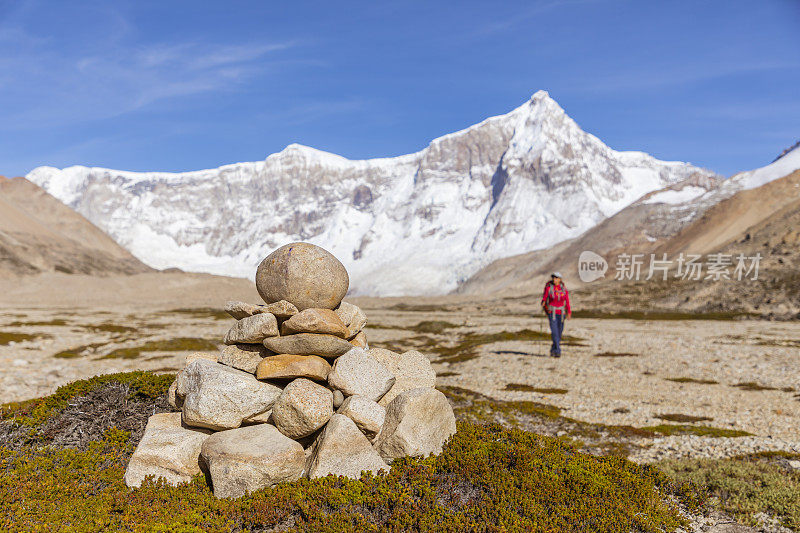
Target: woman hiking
x: 555, y: 302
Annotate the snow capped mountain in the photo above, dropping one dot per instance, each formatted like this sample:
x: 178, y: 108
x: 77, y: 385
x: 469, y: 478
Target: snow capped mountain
x: 414, y: 224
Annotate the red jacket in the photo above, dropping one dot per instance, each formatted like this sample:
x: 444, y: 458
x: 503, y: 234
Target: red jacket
x: 556, y: 297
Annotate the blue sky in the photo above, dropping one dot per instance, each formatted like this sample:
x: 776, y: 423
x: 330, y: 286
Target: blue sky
x: 182, y: 85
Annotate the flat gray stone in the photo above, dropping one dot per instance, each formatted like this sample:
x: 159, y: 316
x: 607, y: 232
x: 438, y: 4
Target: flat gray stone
x: 245, y: 357
x: 252, y: 329
x: 240, y: 310
x: 303, y: 274
x: 302, y: 408
x: 168, y: 450
x: 418, y: 423
x: 281, y: 309
x: 220, y: 397
x: 367, y: 414
x: 357, y: 372
x: 342, y: 450
x: 241, y: 461
x: 411, y: 369
x: 308, y: 344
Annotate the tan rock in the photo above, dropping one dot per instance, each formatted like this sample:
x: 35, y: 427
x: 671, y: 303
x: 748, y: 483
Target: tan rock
x: 302, y: 408
x: 194, y: 356
x: 281, y: 309
x: 418, y: 423
x: 308, y: 344
x: 360, y: 341
x: 220, y: 397
x: 243, y: 460
x: 338, y: 399
x: 411, y: 369
x: 168, y: 450
x: 240, y: 310
x: 367, y: 415
x: 252, y: 329
x: 342, y: 450
x: 315, y: 320
x: 303, y: 274
x: 175, y: 401
x: 353, y: 318
x: 285, y: 366
x: 245, y: 357
x: 357, y: 372
x: 261, y: 418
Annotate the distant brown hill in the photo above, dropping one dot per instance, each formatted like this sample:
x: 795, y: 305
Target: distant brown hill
x: 40, y: 234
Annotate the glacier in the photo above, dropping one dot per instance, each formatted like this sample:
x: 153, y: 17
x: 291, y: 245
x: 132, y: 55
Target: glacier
x: 408, y: 225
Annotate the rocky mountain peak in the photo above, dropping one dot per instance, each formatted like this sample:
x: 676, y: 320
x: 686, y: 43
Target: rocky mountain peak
x: 414, y: 224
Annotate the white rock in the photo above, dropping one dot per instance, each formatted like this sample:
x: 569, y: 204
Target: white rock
x: 245, y: 357
x: 357, y: 372
x: 219, y: 397
x: 367, y: 414
x: 353, y: 317
x: 418, y: 422
x: 167, y: 450
x: 243, y: 460
x: 302, y: 408
x: 411, y: 369
x: 252, y: 329
x: 341, y: 449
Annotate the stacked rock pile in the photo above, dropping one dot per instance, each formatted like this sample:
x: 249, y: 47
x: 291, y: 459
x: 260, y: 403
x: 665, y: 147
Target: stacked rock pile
x: 296, y: 391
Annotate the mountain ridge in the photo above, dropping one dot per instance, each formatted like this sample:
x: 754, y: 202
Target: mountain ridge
x: 413, y: 224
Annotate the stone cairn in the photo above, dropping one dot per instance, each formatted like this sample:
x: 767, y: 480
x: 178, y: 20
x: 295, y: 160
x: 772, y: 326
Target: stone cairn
x: 295, y: 392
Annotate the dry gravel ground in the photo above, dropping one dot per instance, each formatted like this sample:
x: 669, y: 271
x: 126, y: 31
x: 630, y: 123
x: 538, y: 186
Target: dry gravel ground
x: 474, y: 345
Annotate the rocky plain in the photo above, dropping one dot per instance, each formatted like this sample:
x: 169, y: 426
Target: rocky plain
x: 732, y: 375
x: 646, y: 388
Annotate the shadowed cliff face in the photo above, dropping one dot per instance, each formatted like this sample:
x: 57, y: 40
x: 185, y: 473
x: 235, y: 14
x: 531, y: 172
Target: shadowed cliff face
x: 412, y: 224
x: 40, y: 234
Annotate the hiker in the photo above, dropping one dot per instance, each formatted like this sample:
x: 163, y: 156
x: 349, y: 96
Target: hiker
x: 555, y: 302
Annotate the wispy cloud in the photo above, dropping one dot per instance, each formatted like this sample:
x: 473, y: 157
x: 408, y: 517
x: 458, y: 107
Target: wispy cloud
x: 43, y: 84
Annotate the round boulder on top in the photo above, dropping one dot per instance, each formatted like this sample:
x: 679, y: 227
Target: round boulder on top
x: 303, y: 274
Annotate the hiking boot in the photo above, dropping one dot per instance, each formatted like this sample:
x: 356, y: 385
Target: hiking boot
x: 553, y: 354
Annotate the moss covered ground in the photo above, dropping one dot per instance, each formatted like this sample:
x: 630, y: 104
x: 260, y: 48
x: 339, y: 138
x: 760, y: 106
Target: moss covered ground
x: 746, y: 486
x: 62, y: 458
x: 489, y: 478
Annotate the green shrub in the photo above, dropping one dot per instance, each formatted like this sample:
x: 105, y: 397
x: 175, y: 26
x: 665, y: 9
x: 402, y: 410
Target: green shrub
x: 488, y: 478
x: 745, y: 486
x: 703, y: 431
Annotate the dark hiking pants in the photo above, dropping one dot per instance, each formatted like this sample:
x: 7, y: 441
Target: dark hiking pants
x: 556, y: 329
